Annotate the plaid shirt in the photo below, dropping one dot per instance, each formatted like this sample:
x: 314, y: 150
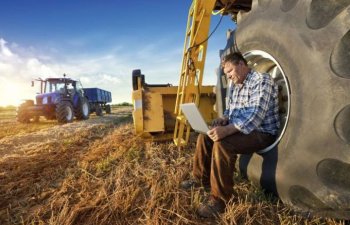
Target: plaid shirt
x: 253, y: 105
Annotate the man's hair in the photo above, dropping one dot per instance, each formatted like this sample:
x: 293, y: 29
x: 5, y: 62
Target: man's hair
x: 234, y: 58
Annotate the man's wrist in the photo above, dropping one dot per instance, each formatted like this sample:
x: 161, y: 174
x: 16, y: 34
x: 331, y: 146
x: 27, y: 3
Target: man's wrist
x: 231, y: 129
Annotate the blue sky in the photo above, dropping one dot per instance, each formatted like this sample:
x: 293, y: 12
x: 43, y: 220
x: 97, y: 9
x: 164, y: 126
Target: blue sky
x: 98, y: 42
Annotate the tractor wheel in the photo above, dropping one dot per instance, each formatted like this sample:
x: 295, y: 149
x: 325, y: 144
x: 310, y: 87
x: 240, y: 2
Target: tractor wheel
x: 82, y: 111
x: 108, y: 109
x: 22, y: 112
x: 99, y: 111
x: 135, y: 75
x: 305, y: 45
x: 64, y: 112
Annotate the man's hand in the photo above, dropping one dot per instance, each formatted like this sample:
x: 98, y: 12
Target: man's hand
x: 222, y: 121
x: 220, y: 132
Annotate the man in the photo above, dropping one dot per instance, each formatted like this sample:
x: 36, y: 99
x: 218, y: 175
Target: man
x: 250, y: 123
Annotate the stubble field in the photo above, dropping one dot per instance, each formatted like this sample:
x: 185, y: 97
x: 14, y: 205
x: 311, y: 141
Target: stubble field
x: 98, y: 172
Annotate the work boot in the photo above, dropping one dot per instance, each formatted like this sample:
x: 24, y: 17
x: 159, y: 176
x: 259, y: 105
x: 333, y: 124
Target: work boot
x: 213, y: 208
x: 193, y: 183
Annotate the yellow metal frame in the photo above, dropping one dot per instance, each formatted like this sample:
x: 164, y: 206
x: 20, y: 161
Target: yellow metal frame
x: 153, y: 113
x: 195, y: 48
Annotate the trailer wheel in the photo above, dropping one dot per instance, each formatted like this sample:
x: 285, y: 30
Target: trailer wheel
x: 108, y: 109
x: 23, y: 115
x: 99, y: 111
x: 313, y: 53
x: 64, y: 112
x: 82, y: 111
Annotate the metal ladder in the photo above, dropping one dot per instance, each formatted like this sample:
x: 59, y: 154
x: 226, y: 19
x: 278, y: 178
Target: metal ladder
x: 191, y: 75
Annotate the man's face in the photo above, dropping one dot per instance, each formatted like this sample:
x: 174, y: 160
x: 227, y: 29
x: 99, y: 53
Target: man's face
x: 234, y: 72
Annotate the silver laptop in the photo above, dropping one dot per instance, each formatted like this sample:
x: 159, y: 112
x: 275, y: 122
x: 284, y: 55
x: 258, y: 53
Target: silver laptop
x: 194, y: 117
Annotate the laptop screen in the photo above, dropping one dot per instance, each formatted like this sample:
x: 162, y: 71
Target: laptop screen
x: 194, y: 117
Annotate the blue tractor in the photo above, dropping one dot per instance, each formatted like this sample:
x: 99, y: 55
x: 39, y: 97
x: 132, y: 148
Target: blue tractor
x: 59, y: 99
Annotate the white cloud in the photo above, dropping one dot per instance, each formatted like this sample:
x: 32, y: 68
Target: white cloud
x: 4, y: 50
x: 84, y: 80
x: 36, y: 67
x: 110, y: 70
x: 111, y: 79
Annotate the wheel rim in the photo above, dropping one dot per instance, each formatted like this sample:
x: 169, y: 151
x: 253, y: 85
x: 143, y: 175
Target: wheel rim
x: 85, y: 109
x: 69, y: 113
x: 265, y: 63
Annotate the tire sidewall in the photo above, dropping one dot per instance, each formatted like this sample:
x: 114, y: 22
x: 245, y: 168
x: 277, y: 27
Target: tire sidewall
x: 314, y: 98
x: 108, y: 109
x: 99, y: 111
x: 85, y: 108
x: 63, y: 109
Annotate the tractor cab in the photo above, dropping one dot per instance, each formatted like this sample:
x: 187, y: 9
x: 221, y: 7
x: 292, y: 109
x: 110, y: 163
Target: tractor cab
x: 53, y: 89
x: 61, y: 85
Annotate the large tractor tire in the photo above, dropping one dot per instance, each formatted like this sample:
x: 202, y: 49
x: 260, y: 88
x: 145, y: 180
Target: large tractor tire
x: 64, y: 112
x: 82, y: 111
x: 22, y: 111
x: 135, y: 75
x: 305, y: 45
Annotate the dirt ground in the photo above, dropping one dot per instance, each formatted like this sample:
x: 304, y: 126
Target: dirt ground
x: 22, y: 143
x: 34, y: 164
x: 99, y: 172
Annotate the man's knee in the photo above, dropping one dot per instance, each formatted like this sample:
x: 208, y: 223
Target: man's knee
x: 220, y: 144
x: 222, y: 151
x: 203, y: 138
x: 218, y: 149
